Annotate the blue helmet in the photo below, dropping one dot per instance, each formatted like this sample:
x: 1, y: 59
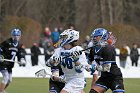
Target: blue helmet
x: 100, y: 32
x: 16, y: 32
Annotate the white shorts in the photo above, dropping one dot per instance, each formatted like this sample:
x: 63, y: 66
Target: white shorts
x: 75, y: 85
x: 7, y: 77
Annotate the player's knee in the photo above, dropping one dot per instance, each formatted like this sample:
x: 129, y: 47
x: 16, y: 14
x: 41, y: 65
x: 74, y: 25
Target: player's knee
x: 93, y: 91
x: 5, y: 80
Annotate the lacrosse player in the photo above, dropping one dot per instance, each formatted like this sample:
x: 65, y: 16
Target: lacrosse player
x: 73, y: 61
x: 104, y: 55
x: 9, y: 49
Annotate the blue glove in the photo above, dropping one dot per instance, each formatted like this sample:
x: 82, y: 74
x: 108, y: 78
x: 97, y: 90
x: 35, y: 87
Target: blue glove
x: 75, y: 59
x: 92, y: 68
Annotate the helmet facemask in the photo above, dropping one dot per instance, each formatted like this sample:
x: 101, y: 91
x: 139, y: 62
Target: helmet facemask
x: 100, y: 37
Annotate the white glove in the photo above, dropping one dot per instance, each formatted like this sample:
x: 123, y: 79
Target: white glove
x: 57, y: 60
x: 1, y: 58
x: 99, y: 68
x: 53, y: 61
x: 22, y: 61
x: 104, y: 67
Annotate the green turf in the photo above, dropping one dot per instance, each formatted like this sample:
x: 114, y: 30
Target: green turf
x: 40, y: 85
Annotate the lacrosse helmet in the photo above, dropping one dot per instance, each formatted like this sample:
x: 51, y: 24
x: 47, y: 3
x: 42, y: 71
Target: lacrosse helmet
x: 68, y: 36
x: 103, y: 33
x: 16, y: 34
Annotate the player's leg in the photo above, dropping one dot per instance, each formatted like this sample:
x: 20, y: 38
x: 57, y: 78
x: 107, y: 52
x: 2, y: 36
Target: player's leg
x: 117, y: 86
x: 82, y: 91
x: 75, y: 85
x: 55, y: 87
x: 84, y: 86
x: 10, y: 79
x: 93, y: 91
x: 94, y: 79
x: 4, y: 80
x: 64, y: 91
x: 99, y: 87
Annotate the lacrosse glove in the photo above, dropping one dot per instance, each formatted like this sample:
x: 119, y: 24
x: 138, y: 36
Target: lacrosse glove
x: 76, y: 53
x: 90, y: 68
x: 57, y: 60
x: 22, y: 61
x: 1, y: 58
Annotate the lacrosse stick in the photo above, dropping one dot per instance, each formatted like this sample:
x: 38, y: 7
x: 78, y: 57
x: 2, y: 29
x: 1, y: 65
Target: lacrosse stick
x: 8, y: 60
x: 43, y: 73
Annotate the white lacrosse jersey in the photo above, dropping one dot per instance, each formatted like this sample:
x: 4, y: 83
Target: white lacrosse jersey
x: 67, y: 65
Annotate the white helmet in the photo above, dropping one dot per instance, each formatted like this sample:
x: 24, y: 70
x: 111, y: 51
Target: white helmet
x: 68, y: 36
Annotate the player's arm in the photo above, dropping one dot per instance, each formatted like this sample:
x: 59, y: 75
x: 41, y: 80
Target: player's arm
x: 109, y: 58
x: 82, y: 63
x: 21, y: 56
x: 61, y: 78
x: 55, y: 59
x: 3, y: 48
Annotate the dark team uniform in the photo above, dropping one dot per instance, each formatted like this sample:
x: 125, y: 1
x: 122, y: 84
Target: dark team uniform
x: 55, y: 86
x: 9, y: 50
x: 112, y: 79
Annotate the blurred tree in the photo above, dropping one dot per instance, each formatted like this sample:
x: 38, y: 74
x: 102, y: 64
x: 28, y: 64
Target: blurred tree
x: 82, y: 13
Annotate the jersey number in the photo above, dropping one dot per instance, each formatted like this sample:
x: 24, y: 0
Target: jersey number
x: 13, y: 55
x: 68, y: 63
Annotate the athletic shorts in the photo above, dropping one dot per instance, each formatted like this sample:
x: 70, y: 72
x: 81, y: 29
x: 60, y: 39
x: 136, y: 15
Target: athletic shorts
x: 75, y: 85
x: 115, y: 84
x: 55, y: 87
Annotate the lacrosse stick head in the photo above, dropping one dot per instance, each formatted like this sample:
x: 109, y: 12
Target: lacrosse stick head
x: 111, y: 39
x: 41, y: 73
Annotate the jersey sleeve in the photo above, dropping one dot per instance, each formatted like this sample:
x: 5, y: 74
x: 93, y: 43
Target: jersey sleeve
x: 56, y: 53
x: 109, y: 54
x: 21, y: 53
x: 3, y: 47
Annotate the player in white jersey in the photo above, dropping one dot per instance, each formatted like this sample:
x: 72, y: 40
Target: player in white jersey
x: 73, y: 61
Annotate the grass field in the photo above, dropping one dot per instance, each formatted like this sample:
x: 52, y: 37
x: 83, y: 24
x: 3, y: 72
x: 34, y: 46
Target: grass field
x: 40, y: 85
